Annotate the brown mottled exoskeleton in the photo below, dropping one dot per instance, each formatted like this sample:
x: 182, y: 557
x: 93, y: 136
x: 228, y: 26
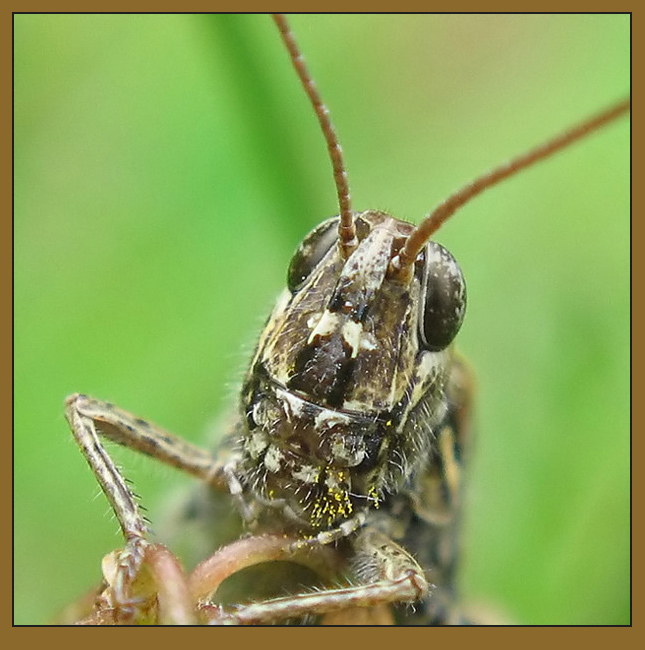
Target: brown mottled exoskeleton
x: 345, y: 458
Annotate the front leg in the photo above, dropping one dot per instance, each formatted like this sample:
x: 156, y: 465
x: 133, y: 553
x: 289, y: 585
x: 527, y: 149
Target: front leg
x: 383, y: 573
x: 89, y: 419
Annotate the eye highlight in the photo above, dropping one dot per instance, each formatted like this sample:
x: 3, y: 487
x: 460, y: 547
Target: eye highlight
x: 444, y: 298
x: 310, y: 252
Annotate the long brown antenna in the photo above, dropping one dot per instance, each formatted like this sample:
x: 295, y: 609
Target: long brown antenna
x: 444, y: 210
x: 346, y: 228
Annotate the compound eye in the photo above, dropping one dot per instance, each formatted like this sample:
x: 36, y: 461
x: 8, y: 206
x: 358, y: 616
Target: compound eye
x: 310, y: 252
x: 444, y: 298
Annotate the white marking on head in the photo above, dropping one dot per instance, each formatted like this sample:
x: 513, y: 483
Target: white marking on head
x: 256, y: 443
x: 368, y: 341
x: 431, y: 363
x: 351, y: 333
x: 328, y: 323
x: 272, y: 459
x: 257, y: 413
x: 327, y: 419
x: 307, y: 474
x: 294, y: 405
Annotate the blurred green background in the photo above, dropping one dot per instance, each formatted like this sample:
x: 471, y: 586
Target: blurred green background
x: 167, y: 166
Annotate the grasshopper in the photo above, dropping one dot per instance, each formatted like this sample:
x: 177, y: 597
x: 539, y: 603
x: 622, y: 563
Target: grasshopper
x: 373, y: 476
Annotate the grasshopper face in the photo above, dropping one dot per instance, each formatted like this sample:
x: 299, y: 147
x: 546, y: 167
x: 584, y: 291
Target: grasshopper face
x: 346, y: 389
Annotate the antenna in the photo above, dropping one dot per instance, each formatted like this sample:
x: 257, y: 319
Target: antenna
x: 346, y: 227
x: 432, y: 222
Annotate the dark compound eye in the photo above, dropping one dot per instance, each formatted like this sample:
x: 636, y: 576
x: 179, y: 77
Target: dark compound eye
x: 444, y: 298
x: 310, y: 252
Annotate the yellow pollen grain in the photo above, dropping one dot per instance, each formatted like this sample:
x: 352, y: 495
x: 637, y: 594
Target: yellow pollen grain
x: 374, y: 495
